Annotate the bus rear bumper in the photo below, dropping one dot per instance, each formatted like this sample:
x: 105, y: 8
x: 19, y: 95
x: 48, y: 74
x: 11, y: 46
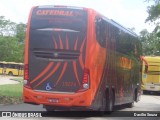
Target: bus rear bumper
x: 83, y: 99
x: 151, y: 87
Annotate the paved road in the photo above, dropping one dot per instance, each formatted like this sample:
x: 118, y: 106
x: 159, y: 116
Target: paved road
x: 149, y: 103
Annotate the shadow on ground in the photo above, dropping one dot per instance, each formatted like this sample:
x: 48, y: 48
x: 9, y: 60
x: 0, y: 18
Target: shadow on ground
x: 86, y: 114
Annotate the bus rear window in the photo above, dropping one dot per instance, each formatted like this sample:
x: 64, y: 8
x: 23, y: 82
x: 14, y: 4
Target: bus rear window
x: 58, y: 18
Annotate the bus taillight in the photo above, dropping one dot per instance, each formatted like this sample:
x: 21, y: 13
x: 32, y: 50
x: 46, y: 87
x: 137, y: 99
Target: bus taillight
x: 85, y: 82
x: 26, y: 76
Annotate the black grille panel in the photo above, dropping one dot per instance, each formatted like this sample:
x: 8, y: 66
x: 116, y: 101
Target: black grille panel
x: 57, y: 54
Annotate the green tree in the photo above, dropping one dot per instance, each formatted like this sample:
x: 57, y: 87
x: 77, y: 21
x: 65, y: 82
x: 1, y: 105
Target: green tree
x: 10, y: 49
x: 21, y: 32
x: 12, y: 37
x: 154, y: 15
x: 150, y: 42
x: 7, y: 28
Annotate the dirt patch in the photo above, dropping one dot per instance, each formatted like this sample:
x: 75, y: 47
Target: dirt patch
x: 7, y: 81
x: 10, y: 100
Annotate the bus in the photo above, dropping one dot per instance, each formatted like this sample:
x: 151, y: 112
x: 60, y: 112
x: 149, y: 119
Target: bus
x: 77, y: 59
x: 151, y: 74
x: 11, y: 68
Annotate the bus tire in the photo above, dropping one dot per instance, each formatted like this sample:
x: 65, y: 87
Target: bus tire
x: 10, y: 73
x: 102, y: 109
x: 48, y: 108
x: 109, y: 102
x: 145, y: 92
x: 130, y: 105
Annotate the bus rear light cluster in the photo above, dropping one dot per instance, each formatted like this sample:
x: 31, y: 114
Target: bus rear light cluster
x: 26, y: 76
x: 85, y: 82
x: 26, y: 72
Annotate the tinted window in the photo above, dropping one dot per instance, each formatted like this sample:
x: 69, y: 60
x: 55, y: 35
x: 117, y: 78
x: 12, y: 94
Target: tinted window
x: 125, y: 43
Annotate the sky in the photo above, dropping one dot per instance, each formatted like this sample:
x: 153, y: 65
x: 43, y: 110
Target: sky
x: 129, y: 13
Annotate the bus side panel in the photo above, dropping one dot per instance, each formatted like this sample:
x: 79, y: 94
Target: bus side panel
x: 95, y: 60
x: 26, y: 51
x: 120, y: 71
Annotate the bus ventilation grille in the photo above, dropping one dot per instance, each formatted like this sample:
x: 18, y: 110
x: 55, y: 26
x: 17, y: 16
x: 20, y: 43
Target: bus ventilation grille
x: 57, y: 55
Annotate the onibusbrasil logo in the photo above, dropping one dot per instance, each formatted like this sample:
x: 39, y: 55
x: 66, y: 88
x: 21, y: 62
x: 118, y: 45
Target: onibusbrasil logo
x: 21, y: 114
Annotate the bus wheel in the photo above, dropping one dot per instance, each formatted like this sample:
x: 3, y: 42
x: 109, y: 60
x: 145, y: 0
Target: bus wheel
x: 48, y: 108
x: 145, y: 92
x: 10, y: 73
x: 109, y: 102
x: 103, y: 102
x: 102, y: 110
x: 130, y: 105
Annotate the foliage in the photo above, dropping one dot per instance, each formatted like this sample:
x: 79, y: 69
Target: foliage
x: 150, y: 42
x: 20, y: 32
x: 10, y: 49
x: 154, y: 15
x: 12, y: 37
x: 7, y: 27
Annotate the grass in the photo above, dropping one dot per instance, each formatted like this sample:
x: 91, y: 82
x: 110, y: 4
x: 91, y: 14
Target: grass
x: 12, y: 90
x: 11, y: 93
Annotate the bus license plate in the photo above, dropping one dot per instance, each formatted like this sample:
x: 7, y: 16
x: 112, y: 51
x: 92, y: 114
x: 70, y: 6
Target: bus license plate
x: 152, y: 87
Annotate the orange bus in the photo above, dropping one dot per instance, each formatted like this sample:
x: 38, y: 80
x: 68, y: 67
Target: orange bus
x: 75, y: 58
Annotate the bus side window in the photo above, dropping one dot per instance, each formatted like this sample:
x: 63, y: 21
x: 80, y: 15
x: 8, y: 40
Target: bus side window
x: 124, y: 44
x: 100, y: 31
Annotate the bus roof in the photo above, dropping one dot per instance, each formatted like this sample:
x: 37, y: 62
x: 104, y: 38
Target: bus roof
x: 59, y: 6
x: 121, y: 27
x: 152, y: 58
x: 4, y: 62
x: 111, y: 21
